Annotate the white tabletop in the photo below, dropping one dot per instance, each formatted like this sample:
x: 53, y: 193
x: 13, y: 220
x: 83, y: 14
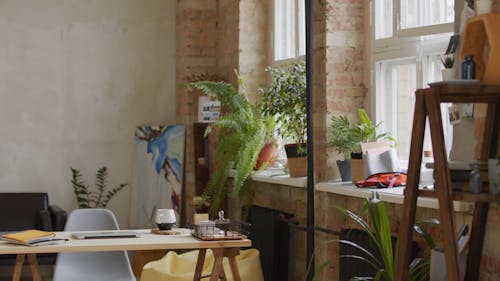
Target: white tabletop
x: 147, y: 241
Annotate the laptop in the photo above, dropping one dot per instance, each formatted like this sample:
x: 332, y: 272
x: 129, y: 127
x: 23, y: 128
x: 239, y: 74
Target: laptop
x: 105, y: 234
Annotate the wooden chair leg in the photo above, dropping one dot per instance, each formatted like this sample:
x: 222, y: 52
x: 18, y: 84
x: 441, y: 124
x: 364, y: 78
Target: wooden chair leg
x: 35, y: 270
x: 199, y: 264
x: 16, y: 275
x: 217, y: 269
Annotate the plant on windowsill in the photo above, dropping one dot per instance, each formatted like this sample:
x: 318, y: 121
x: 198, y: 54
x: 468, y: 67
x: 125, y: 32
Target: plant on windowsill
x: 448, y: 72
x: 347, y: 137
x: 243, y: 131
x: 285, y: 99
x: 99, y: 198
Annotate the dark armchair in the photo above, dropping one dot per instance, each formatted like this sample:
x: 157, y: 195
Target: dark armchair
x: 22, y: 211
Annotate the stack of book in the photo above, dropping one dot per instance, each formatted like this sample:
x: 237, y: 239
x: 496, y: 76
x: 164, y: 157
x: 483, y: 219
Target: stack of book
x: 33, y: 238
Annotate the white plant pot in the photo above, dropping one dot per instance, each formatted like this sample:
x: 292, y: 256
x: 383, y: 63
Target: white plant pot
x: 483, y: 6
x: 494, y: 175
x: 448, y: 74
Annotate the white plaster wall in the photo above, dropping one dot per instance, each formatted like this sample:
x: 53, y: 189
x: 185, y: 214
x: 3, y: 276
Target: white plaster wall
x: 76, y: 77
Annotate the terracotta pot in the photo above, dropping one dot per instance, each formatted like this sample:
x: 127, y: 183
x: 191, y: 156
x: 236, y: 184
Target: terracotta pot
x: 267, y: 155
x: 297, y: 159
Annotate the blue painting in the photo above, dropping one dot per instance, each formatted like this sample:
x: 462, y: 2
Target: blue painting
x: 158, y: 172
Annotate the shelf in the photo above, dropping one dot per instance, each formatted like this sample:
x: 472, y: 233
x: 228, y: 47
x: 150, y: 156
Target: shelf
x: 467, y: 91
x: 463, y: 196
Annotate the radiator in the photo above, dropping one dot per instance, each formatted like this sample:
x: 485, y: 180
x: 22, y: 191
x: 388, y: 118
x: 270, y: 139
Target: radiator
x: 349, y: 267
x: 269, y: 233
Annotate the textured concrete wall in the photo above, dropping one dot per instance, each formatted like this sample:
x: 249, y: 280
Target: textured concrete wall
x: 76, y: 77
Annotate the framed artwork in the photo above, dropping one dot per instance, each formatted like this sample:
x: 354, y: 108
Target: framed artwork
x: 158, y: 172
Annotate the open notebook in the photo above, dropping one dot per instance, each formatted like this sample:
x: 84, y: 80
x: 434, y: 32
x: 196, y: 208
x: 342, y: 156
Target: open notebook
x: 104, y: 234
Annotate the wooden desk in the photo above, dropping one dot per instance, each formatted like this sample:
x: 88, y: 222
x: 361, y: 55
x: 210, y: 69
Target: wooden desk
x: 147, y: 241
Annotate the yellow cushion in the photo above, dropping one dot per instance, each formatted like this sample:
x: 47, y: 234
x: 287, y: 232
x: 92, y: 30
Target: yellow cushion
x: 174, y: 267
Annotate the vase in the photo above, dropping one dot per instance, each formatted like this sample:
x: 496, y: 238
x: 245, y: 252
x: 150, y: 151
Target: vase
x: 448, y: 74
x: 267, y: 154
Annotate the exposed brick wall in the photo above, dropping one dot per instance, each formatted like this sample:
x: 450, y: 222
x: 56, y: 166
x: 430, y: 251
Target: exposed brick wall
x: 254, y: 44
x: 339, y: 65
x: 196, y: 34
x: 217, y: 37
x: 228, y: 34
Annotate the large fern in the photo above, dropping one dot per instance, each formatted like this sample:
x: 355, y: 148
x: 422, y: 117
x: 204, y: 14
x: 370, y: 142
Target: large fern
x: 99, y: 198
x: 242, y: 132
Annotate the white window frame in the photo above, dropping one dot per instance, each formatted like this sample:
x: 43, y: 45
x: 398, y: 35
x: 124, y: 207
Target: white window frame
x: 297, y: 30
x: 415, y: 44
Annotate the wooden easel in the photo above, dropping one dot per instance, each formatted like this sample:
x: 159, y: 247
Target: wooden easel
x: 428, y: 105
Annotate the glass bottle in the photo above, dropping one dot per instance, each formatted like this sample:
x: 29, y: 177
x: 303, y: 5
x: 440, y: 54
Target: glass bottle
x: 468, y: 68
x: 475, y: 184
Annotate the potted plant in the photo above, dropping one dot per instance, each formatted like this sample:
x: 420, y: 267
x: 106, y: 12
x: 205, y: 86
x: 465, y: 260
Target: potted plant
x: 347, y: 137
x: 285, y: 100
x: 243, y: 131
x: 448, y: 72
x: 342, y: 139
x: 384, y: 260
x: 98, y: 198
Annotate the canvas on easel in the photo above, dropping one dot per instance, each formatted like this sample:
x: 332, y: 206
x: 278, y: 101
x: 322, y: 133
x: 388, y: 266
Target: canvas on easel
x: 158, y: 172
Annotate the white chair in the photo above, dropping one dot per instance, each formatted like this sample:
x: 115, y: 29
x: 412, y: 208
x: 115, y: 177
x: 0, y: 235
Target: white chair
x: 93, y: 266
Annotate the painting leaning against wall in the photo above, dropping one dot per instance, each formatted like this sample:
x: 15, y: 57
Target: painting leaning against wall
x: 158, y: 172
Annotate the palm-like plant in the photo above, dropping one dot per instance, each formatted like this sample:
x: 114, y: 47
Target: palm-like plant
x: 379, y: 230
x: 242, y: 131
x: 99, y: 198
x: 346, y: 137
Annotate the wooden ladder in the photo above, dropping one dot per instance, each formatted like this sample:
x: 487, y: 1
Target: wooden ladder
x: 427, y: 105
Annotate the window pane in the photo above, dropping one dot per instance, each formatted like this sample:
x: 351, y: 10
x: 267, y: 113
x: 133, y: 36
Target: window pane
x: 417, y: 13
x: 284, y: 29
x: 302, y: 27
x: 383, y: 19
x: 396, y: 101
x: 433, y: 71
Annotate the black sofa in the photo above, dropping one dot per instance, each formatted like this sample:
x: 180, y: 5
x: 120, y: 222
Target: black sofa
x: 23, y: 211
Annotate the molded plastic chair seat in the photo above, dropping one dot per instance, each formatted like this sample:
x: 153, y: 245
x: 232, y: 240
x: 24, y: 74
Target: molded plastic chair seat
x: 93, y: 266
x: 174, y: 267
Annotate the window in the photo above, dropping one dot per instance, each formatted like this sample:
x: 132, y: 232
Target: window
x: 408, y: 38
x: 289, y: 29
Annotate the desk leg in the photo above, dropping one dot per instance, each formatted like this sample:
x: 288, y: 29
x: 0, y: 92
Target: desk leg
x: 35, y: 271
x: 231, y: 254
x: 199, y: 264
x: 218, y: 269
x: 16, y: 275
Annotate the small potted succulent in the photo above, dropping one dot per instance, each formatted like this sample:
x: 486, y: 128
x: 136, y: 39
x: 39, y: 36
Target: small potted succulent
x: 448, y: 72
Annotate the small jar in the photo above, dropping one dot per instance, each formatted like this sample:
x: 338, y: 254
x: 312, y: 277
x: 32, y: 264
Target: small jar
x: 475, y: 184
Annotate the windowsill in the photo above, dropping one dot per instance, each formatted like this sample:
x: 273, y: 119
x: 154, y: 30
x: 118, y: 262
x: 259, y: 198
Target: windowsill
x: 392, y: 195
x: 278, y: 176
